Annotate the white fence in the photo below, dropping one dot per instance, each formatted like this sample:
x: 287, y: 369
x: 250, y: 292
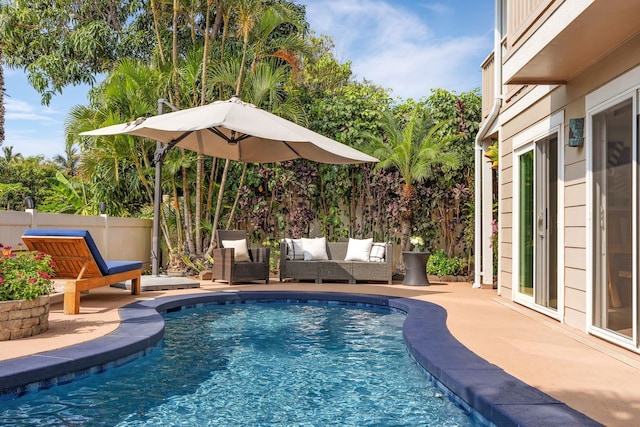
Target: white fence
x: 118, y: 239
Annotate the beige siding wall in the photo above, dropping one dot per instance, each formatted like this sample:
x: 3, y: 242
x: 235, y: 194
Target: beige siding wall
x: 524, y: 16
x: 488, y: 95
x: 505, y: 218
x: 570, y: 99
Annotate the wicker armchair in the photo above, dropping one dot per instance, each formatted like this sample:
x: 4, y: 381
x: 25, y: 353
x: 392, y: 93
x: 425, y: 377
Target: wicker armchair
x: 225, y: 267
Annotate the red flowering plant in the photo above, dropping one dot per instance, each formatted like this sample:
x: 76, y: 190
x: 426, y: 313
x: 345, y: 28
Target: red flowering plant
x: 24, y: 274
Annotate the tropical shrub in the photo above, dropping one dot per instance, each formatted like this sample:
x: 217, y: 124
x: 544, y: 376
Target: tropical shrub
x: 441, y: 265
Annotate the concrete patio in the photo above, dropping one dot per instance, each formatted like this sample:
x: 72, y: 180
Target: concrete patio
x: 588, y: 374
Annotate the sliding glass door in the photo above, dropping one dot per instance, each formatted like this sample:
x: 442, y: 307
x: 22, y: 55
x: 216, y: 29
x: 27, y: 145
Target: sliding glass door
x: 613, y: 219
x: 537, y: 223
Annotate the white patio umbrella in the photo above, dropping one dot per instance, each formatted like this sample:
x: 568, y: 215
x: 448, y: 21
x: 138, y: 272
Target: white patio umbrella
x: 239, y: 131
x: 232, y: 130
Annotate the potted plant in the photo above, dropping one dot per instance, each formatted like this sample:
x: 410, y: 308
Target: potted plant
x: 25, y: 284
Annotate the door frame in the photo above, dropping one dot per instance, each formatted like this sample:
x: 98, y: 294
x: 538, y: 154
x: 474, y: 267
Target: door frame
x: 523, y: 142
x: 625, y: 87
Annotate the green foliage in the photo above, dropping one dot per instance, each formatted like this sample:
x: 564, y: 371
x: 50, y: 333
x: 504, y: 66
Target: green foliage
x: 441, y: 265
x: 414, y: 145
x: 348, y: 113
x: 447, y: 195
x: 493, y: 155
x: 322, y: 72
x: 24, y: 274
x: 274, y: 253
x: 195, y: 264
x: 69, y: 196
x: 24, y: 177
x: 67, y: 42
x: 262, y: 51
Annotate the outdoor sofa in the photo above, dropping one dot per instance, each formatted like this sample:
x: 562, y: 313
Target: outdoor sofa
x: 374, y: 267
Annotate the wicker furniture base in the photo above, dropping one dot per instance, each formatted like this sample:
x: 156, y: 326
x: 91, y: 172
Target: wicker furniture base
x: 336, y: 268
x: 226, y: 268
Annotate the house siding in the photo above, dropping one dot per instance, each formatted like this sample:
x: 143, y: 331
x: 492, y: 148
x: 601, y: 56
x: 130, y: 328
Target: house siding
x: 524, y: 109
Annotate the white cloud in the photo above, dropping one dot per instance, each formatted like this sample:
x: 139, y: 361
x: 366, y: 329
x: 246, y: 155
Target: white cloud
x: 33, y: 130
x: 439, y: 8
x: 418, y: 69
x: 16, y: 109
x: 393, y: 47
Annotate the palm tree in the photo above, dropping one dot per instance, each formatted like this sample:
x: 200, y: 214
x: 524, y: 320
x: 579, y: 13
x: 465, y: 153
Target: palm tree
x: 257, y: 22
x: 117, y: 168
x: 413, y: 148
x: 9, y: 156
x: 68, y: 162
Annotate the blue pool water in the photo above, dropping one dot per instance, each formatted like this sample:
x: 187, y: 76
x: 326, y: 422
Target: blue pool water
x: 274, y: 364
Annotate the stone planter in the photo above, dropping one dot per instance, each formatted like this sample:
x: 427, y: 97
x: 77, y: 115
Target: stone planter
x: 22, y: 318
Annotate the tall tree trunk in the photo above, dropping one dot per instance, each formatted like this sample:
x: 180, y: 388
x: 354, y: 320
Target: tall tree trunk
x: 240, y: 80
x: 225, y: 11
x: 198, y: 203
x: 203, y: 100
x: 216, y: 218
x: 245, y: 46
x: 188, y: 222
x: 408, y: 192
x: 174, y: 55
x: 212, y: 179
x: 179, y: 228
x: 235, y: 201
x: 156, y: 12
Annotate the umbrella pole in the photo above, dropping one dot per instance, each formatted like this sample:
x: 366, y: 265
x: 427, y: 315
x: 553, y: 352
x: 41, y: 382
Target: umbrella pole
x: 157, y: 198
x: 159, y: 156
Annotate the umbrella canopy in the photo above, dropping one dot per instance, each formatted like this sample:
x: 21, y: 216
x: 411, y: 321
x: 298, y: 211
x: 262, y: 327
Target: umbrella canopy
x: 239, y: 131
x: 232, y: 130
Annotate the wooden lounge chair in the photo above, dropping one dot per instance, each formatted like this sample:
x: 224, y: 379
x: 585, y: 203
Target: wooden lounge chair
x: 226, y: 267
x: 77, y: 258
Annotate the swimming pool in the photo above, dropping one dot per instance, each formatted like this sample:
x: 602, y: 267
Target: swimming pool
x: 257, y: 365
x: 488, y: 390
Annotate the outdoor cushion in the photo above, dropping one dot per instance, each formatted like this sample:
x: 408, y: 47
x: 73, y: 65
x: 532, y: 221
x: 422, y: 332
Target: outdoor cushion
x: 377, y: 252
x: 358, y: 250
x: 241, y: 253
x: 315, y: 249
x: 294, y: 249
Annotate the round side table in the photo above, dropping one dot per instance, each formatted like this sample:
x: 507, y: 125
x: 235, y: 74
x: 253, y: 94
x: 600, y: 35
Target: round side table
x: 416, y: 264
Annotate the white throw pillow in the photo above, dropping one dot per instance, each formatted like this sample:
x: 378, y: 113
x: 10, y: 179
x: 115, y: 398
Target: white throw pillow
x: 294, y: 249
x: 358, y: 249
x: 241, y: 251
x: 378, y: 250
x: 315, y: 249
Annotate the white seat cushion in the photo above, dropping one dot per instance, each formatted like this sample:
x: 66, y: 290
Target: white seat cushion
x: 294, y: 249
x: 315, y: 249
x: 241, y: 252
x: 358, y: 250
x: 378, y: 250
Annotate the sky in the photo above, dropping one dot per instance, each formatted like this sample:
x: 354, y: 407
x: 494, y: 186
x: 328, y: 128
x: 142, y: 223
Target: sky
x: 408, y: 46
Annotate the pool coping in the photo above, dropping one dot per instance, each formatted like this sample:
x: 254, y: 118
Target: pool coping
x: 497, y: 396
